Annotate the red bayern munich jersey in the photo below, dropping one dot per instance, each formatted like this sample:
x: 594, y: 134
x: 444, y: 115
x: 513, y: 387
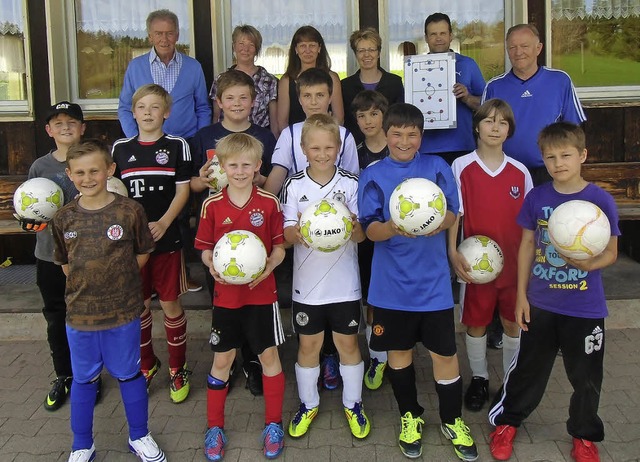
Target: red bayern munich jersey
x: 262, y: 215
x: 490, y: 202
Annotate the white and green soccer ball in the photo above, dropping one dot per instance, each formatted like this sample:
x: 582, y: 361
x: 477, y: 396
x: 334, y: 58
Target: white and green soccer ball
x: 417, y: 206
x: 217, y: 176
x: 485, y: 257
x: 239, y: 257
x: 326, y: 225
x: 579, y: 229
x: 38, y: 199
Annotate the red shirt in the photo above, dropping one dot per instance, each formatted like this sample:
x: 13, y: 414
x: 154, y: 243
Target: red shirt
x: 262, y: 216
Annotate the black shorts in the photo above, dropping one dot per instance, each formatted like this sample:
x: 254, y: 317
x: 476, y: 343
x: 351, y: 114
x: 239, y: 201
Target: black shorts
x: 401, y: 330
x: 343, y: 318
x: 259, y: 325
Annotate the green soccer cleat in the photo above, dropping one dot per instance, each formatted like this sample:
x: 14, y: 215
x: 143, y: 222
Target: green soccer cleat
x: 151, y: 373
x: 374, y: 374
x: 60, y: 389
x: 410, y: 439
x: 358, y: 421
x: 461, y: 439
x: 300, y: 423
x: 179, y: 385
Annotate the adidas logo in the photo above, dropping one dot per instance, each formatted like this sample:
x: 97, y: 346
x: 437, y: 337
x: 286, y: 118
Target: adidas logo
x: 304, y: 199
x: 353, y: 323
x: 526, y: 94
x: 597, y: 330
x: 227, y: 221
x: 132, y: 159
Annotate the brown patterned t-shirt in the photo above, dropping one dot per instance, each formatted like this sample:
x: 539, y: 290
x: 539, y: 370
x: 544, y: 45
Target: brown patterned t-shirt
x: 100, y: 246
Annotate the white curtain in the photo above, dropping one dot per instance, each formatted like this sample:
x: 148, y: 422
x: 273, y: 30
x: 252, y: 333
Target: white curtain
x: 602, y: 9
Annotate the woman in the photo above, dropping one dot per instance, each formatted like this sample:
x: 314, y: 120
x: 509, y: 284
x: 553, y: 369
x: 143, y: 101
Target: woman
x: 307, y: 50
x: 366, y: 44
x: 247, y: 42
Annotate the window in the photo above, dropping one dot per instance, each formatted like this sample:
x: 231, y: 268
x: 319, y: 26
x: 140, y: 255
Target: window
x: 14, y: 63
x: 105, y: 36
x: 598, y: 44
x: 478, y: 29
x: 277, y: 20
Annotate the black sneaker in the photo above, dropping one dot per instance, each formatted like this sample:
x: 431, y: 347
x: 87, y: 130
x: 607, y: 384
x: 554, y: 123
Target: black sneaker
x: 494, y: 340
x: 60, y: 389
x: 410, y: 439
x: 253, y: 372
x: 477, y: 394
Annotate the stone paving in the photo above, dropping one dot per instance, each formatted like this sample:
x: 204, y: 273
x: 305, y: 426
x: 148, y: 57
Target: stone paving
x: 29, y: 433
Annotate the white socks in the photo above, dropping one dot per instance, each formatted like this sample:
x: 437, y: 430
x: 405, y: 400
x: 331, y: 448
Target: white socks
x: 381, y: 356
x: 352, y: 384
x: 477, y: 353
x: 307, y: 378
x: 510, y: 346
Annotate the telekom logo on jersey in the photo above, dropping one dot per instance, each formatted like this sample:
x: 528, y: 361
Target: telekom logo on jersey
x: 138, y: 187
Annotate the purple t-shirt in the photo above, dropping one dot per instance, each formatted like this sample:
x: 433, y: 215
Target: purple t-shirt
x: 555, y: 285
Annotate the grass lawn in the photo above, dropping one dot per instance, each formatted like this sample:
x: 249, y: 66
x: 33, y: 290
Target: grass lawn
x: 598, y: 70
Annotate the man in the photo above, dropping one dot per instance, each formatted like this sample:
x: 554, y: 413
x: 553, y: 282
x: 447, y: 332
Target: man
x: 452, y: 143
x: 539, y: 96
x: 164, y: 66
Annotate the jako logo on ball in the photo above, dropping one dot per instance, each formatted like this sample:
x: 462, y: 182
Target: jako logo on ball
x: 485, y: 257
x: 417, y: 206
x: 38, y: 199
x: 239, y: 257
x: 579, y: 229
x: 326, y: 225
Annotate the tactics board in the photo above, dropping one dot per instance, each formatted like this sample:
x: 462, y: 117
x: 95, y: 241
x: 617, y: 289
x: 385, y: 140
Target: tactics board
x: 429, y: 81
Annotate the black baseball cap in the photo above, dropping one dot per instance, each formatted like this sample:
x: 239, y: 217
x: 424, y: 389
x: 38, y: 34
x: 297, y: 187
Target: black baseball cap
x: 65, y: 107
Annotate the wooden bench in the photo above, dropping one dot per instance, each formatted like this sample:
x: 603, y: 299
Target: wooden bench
x: 8, y: 185
x: 622, y: 181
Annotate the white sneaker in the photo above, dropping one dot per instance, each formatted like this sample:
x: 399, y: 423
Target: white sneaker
x: 147, y: 449
x: 83, y: 455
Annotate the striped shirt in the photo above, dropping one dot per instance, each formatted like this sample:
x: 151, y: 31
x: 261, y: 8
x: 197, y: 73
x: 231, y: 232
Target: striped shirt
x: 165, y: 75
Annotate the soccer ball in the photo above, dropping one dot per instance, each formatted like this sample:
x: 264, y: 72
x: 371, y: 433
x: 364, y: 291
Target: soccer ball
x: 417, y: 206
x: 579, y: 229
x: 114, y: 185
x: 239, y: 257
x: 217, y: 176
x: 484, y: 255
x: 38, y: 199
x: 326, y: 225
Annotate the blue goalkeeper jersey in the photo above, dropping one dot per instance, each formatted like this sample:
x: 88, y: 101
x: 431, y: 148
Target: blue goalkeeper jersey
x: 410, y: 274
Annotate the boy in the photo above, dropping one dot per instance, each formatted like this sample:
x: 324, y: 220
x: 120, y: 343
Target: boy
x: 482, y: 174
x: 235, y: 96
x: 326, y: 285
x: 557, y: 316
x: 65, y: 124
x: 315, y: 88
x: 243, y: 313
x: 411, y: 305
x: 368, y: 108
x: 156, y: 168
x: 102, y: 240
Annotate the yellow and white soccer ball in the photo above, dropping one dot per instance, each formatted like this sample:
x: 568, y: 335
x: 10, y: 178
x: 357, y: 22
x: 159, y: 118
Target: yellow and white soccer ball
x: 115, y: 185
x: 326, y: 225
x: 38, y: 199
x: 417, y: 206
x: 239, y: 257
x: 579, y: 229
x: 485, y: 257
x: 217, y: 176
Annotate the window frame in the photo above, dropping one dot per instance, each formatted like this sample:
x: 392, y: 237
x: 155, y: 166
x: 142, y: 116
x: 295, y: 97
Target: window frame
x: 22, y: 110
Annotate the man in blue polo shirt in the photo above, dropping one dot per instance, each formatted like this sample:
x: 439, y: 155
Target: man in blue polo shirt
x: 451, y: 143
x: 538, y: 95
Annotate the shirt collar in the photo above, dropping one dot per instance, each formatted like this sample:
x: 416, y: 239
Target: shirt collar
x: 177, y: 57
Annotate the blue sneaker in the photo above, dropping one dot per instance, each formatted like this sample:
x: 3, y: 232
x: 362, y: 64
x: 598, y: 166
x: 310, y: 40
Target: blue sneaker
x: 273, y: 437
x: 330, y: 372
x: 214, y: 441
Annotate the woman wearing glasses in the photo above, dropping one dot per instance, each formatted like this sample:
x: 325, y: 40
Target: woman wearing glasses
x: 366, y: 44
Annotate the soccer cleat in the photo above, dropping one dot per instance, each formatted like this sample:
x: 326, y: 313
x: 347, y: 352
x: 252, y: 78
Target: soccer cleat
x: 375, y: 373
x: 584, y: 451
x: 330, y: 372
x: 214, y: 441
x: 146, y: 449
x: 300, y: 423
x: 461, y: 439
x: 358, y: 421
x: 273, y: 438
x: 83, y: 455
x: 477, y: 394
x: 253, y: 372
x: 193, y: 286
x: 60, y: 389
x: 179, y: 385
x: 410, y: 439
x: 494, y: 340
x: 151, y: 373
x: 501, y: 441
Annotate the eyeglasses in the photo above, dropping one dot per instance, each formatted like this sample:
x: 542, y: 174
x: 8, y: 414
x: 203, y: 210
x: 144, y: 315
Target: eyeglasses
x: 362, y: 51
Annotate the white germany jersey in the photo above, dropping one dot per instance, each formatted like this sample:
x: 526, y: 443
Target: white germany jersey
x: 321, y: 278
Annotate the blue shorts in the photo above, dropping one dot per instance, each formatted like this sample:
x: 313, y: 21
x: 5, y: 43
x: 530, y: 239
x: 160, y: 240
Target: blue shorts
x: 117, y: 349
